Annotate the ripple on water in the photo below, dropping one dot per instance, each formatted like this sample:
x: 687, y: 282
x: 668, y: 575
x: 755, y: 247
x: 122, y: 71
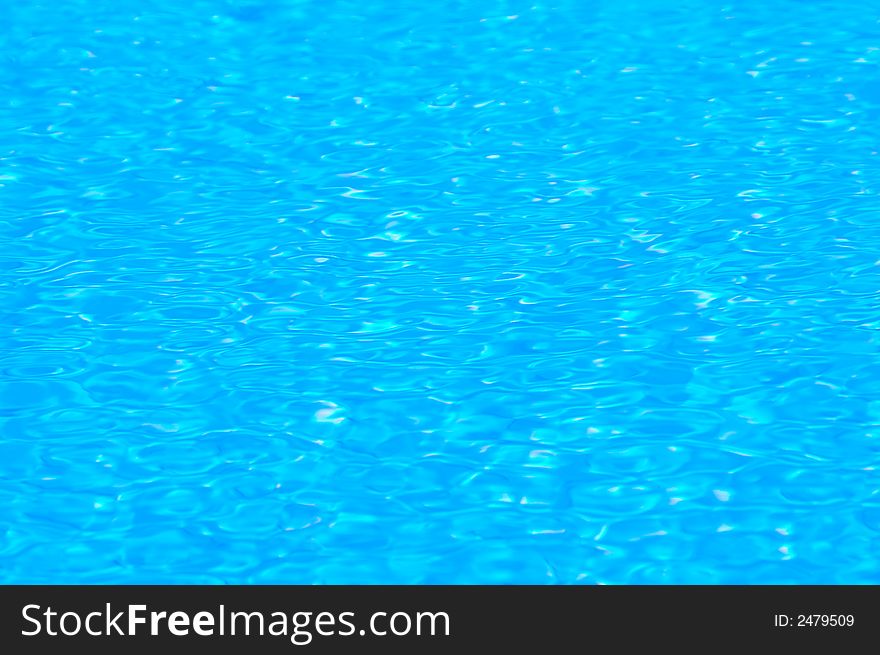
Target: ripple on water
x: 476, y: 298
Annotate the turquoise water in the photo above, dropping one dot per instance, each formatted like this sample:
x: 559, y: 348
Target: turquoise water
x: 455, y: 292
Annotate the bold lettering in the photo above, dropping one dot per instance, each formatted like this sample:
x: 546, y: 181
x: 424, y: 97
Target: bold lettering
x: 203, y: 624
x: 134, y: 619
x: 178, y: 624
x: 155, y: 617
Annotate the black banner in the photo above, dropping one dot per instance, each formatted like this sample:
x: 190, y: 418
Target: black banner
x: 417, y: 619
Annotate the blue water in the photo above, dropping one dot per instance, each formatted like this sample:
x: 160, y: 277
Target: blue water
x: 452, y: 292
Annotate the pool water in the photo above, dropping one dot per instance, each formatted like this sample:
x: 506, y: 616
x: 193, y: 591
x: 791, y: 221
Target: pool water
x: 454, y: 292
